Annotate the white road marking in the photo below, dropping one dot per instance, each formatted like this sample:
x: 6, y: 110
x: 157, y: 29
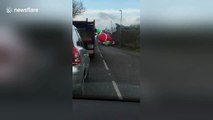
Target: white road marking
x: 101, y: 55
x: 117, y: 90
x: 99, y: 49
x: 113, y: 82
x: 107, y: 68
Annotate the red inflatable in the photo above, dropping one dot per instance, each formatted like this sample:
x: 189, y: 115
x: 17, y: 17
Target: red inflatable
x: 109, y: 38
x: 102, y: 37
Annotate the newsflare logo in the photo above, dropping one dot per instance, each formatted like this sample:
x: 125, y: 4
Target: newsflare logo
x: 21, y: 10
x: 9, y: 10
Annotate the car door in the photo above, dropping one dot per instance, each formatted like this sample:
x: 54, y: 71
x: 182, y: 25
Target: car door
x: 83, y: 52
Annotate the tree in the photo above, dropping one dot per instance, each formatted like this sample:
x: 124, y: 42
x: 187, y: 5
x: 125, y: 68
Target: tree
x: 107, y: 30
x: 77, y: 8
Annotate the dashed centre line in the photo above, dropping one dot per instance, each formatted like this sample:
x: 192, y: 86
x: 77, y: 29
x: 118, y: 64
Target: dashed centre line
x: 117, y: 90
x: 115, y: 86
x: 101, y: 55
x: 107, y: 68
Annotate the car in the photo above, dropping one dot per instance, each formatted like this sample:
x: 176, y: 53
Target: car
x: 80, y: 63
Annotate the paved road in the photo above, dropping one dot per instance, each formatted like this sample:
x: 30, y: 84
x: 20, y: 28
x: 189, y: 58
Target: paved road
x: 114, y: 74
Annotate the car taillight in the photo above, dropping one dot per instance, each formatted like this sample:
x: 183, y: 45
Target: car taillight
x: 76, y: 59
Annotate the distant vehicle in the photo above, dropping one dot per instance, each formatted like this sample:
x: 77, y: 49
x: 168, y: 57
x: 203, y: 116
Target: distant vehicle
x: 80, y: 63
x: 87, y: 31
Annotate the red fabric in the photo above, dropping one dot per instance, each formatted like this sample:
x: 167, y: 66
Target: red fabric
x: 102, y: 37
x: 109, y: 38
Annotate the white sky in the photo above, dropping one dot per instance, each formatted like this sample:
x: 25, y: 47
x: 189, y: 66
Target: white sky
x: 105, y: 16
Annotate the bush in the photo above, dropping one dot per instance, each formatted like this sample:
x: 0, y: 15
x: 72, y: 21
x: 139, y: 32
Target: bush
x: 130, y: 36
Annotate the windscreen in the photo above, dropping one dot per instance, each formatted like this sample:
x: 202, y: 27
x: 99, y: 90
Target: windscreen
x: 110, y: 31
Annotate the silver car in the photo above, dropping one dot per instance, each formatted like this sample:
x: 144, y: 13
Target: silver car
x: 80, y: 63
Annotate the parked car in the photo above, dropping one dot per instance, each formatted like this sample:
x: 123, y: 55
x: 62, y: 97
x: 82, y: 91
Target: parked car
x: 80, y: 63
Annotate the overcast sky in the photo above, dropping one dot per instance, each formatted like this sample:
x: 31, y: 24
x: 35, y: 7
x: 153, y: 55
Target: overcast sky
x: 177, y: 12
x: 105, y: 11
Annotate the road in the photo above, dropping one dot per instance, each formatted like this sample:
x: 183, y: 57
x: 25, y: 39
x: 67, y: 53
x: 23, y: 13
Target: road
x: 114, y: 75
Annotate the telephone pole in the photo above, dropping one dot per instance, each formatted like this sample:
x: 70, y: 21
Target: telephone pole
x: 121, y: 27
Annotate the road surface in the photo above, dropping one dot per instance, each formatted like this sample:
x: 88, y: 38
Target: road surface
x: 114, y: 74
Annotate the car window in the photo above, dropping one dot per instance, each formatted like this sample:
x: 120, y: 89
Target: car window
x: 75, y: 37
x: 79, y: 41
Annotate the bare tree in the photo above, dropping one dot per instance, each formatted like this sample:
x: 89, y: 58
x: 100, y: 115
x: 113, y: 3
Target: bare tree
x: 78, y: 8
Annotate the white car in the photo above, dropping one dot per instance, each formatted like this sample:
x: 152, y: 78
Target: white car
x: 80, y: 63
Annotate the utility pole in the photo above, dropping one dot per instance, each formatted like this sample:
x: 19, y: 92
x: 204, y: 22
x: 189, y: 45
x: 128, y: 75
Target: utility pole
x: 111, y: 28
x: 121, y: 28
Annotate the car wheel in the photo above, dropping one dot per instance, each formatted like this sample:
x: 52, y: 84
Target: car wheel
x: 87, y: 77
x: 82, y: 89
x: 78, y: 93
